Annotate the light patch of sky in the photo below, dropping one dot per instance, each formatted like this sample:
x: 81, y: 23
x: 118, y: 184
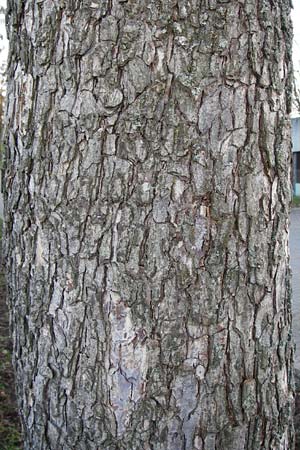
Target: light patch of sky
x: 3, y: 41
x: 296, y: 23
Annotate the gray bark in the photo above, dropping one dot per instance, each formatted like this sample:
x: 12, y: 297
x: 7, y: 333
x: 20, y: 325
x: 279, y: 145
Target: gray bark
x: 147, y: 196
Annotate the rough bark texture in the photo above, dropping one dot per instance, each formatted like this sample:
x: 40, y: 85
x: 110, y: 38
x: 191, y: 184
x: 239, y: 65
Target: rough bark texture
x: 147, y: 192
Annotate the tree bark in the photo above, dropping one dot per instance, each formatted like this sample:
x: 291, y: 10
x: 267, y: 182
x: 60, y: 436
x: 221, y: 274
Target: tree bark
x: 147, y: 197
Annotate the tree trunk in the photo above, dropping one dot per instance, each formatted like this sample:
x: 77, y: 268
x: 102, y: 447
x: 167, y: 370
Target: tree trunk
x: 147, y: 201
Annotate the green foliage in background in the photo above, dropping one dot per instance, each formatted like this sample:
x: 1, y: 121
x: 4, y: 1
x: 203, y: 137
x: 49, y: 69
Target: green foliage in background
x: 296, y: 201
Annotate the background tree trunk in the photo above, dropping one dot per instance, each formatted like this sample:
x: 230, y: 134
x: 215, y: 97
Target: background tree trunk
x: 147, y: 200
